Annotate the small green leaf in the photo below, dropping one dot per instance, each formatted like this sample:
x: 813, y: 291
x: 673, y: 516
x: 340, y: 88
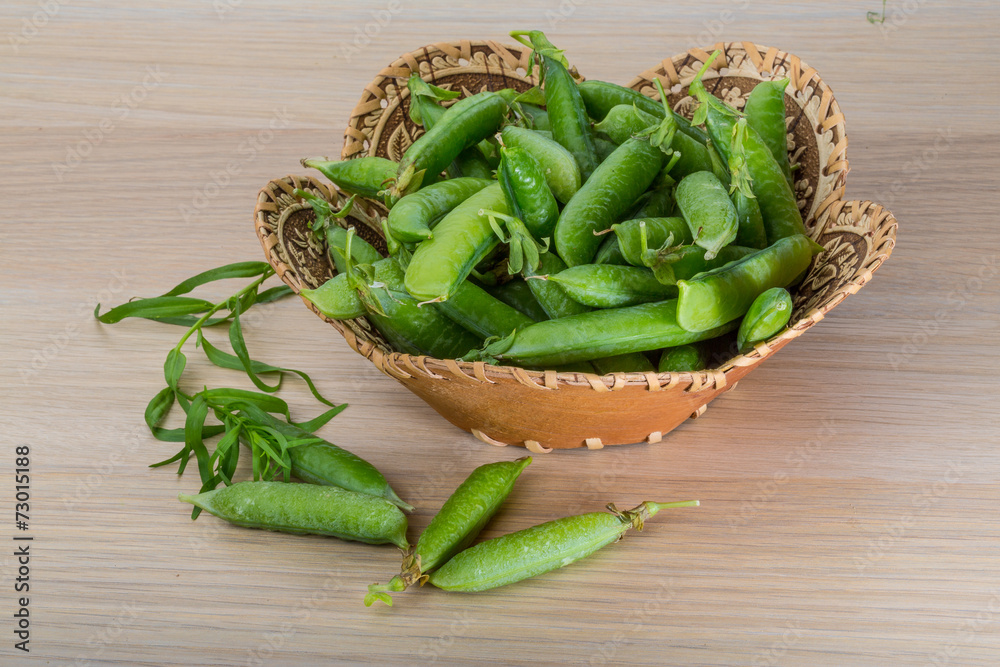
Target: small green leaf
x: 232, y: 398
x: 193, y: 441
x: 154, y: 308
x: 318, y: 422
x: 158, y: 407
x: 237, y: 270
x: 173, y: 367
x: 274, y: 293
x: 240, y: 348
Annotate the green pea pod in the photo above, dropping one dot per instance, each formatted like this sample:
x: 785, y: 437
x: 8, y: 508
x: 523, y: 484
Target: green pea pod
x: 462, y: 238
x: 528, y: 195
x: 539, y: 117
x: 721, y: 295
x: 567, y: 114
x: 560, y: 169
x: 768, y: 315
x: 551, y: 296
x: 683, y: 358
x: 518, y: 295
x: 600, y: 97
x: 463, y: 125
x: 610, y: 252
x: 719, y: 169
x: 597, y: 334
x: 365, y: 176
x: 637, y: 236
x: 604, y: 198
x: 306, y: 509
x: 477, y: 310
x: 684, y: 262
x: 708, y: 211
x: 751, y: 231
x: 327, y: 464
x: 626, y: 120
x: 611, y: 286
x: 542, y: 548
x: 462, y: 517
x: 658, y: 203
x: 635, y: 362
x: 336, y: 298
x: 603, y: 148
x: 413, y: 216
x: 765, y: 112
x: 361, y: 250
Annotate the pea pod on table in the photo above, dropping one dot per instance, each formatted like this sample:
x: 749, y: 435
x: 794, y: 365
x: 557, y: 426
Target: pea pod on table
x: 769, y: 314
x: 306, y: 509
x: 542, y: 548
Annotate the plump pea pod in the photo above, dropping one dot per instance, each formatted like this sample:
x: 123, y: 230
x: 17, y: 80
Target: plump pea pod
x: 611, y: 286
x: 658, y: 203
x: 603, y: 148
x: 597, y: 334
x: 460, y: 241
x: 765, y: 112
x: 336, y: 298
x: 768, y: 315
x: 637, y: 236
x: 518, y: 295
x: 539, y: 117
x: 464, y: 124
x: 365, y: 176
x: 529, y: 197
x: 306, y: 509
x: 567, y: 114
x: 721, y: 295
x: 708, y: 211
x: 560, y: 169
x: 635, y: 362
x: 610, y: 252
x: 480, y: 312
x: 462, y: 517
x: 611, y: 190
x: 683, y: 358
x: 751, y: 231
x: 684, y: 262
x: 551, y: 296
x: 600, y: 97
x: 327, y: 464
x: 539, y: 549
x: 413, y: 216
x: 361, y: 250
x: 624, y: 121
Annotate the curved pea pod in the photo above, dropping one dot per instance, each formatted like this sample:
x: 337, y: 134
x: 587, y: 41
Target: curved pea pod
x: 477, y: 310
x: 765, y: 112
x: 624, y: 121
x: 769, y: 314
x: 463, y: 125
x: 552, y: 297
x: 657, y: 232
x: 459, y: 521
x: 635, y: 362
x: 611, y: 286
x: 362, y: 252
x: 603, y: 198
x: 751, y: 231
x: 518, y: 295
x: 596, y: 334
x: 336, y: 299
x: 726, y: 293
x: 558, y: 166
x: 528, y: 195
x: 365, y: 176
x: 708, y: 211
x: 600, y: 97
x: 684, y: 262
x: 542, y: 548
x: 610, y: 252
x: 327, y: 464
x: 413, y: 216
x: 683, y: 358
x: 460, y: 241
x: 306, y: 509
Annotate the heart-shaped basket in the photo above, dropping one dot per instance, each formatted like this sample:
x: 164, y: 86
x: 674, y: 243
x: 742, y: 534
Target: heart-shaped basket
x: 544, y: 409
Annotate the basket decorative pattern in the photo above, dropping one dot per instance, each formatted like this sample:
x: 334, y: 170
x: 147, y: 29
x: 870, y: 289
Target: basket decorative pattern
x: 543, y: 409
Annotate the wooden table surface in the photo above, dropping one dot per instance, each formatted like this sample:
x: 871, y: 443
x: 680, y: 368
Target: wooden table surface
x: 849, y: 487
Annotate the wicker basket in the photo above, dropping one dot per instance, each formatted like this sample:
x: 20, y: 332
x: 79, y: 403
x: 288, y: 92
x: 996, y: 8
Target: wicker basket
x: 504, y: 405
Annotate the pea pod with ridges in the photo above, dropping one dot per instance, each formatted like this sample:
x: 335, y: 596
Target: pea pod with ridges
x: 611, y: 286
x: 558, y: 166
x: 542, y: 548
x: 412, y: 218
x: 529, y: 197
x: 723, y: 294
x: 765, y: 112
x: 306, y: 509
x: 604, y: 198
x: 769, y: 314
x: 708, y: 211
x: 365, y: 176
x: 462, y: 517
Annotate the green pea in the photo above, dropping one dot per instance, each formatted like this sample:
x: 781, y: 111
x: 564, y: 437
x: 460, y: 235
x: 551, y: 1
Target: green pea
x: 517, y: 294
x: 306, y: 509
x: 626, y: 120
x: 603, y: 198
x: 596, y: 334
x: 708, y: 211
x: 765, y: 112
x: 683, y: 358
x: 413, y: 216
x: 611, y: 286
x: 365, y: 176
x: 768, y: 315
x: 656, y: 231
x: 558, y: 166
x: 542, y: 548
x: 723, y: 294
x: 477, y: 310
x: 552, y: 297
x: 459, y: 521
x: 529, y: 197
x: 636, y: 362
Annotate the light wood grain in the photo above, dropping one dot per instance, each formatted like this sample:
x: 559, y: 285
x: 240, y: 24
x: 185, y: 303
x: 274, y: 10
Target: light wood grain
x: 848, y: 495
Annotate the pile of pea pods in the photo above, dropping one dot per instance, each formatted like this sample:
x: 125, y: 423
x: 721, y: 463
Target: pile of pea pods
x: 577, y: 226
